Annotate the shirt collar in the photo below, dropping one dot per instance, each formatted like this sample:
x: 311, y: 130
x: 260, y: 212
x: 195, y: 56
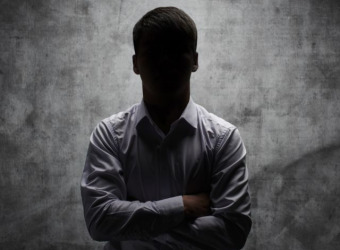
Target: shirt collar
x: 189, y: 114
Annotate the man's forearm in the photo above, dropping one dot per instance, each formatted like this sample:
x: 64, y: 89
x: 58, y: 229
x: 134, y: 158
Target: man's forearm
x: 208, y: 232
x: 124, y: 220
x: 127, y: 220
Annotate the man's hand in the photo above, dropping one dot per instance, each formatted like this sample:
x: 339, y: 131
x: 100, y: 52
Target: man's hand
x: 196, y: 205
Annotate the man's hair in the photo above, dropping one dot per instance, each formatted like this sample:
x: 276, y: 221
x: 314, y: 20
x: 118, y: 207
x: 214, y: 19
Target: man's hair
x: 163, y: 20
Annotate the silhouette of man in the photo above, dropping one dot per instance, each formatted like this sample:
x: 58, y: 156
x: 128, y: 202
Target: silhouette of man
x: 166, y: 174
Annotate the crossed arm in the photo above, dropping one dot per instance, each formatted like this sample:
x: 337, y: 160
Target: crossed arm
x: 219, y: 220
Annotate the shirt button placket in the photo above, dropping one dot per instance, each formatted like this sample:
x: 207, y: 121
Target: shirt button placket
x: 161, y: 185
x: 158, y: 171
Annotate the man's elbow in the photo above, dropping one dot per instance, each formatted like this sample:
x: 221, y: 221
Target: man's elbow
x: 238, y: 233
x: 239, y: 241
x: 98, y: 232
x: 102, y: 229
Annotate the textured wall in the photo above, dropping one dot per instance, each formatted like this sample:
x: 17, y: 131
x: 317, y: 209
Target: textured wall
x: 270, y: 67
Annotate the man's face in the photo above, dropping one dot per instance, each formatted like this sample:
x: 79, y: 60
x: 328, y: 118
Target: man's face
x: 164, y: 62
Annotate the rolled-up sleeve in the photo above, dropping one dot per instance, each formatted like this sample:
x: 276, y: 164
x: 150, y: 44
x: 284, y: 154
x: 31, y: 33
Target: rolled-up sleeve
x: 108, y: 214
x: 229, y: 225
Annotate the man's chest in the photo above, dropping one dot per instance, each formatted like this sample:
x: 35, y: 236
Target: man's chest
x: 154, y: 172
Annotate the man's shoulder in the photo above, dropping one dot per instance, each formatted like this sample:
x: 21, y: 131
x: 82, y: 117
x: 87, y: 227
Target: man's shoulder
x: 212, y: 122
x: 122, y: 118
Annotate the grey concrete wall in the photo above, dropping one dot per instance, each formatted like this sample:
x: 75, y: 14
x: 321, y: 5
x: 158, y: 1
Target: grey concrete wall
x: 269, y: 67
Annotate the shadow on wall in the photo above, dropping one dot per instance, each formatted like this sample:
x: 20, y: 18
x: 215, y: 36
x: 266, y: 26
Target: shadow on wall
x: 297, y: 206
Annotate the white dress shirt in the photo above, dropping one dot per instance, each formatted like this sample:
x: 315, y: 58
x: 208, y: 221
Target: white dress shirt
x: 135, y: 175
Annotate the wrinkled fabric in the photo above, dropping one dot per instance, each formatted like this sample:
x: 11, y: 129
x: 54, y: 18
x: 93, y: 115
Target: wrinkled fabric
x: 135, y: 175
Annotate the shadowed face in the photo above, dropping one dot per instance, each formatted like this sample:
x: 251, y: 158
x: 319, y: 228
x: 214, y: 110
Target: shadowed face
x: 165, y: 62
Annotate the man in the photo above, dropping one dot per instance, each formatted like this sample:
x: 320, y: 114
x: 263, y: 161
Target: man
x: 166, y: 174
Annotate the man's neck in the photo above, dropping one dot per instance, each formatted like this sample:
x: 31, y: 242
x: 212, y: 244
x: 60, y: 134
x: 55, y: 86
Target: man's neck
x: 164, y: 110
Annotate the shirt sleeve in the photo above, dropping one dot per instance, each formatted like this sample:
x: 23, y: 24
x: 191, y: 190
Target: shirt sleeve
x: 108, y: 214
x: 229, y: 225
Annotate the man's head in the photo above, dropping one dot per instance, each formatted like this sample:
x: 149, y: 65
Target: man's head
x: 166, y: 20
x: 165, y: 41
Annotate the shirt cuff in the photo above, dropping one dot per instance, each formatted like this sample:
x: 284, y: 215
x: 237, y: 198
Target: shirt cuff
x: 172, y: 210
